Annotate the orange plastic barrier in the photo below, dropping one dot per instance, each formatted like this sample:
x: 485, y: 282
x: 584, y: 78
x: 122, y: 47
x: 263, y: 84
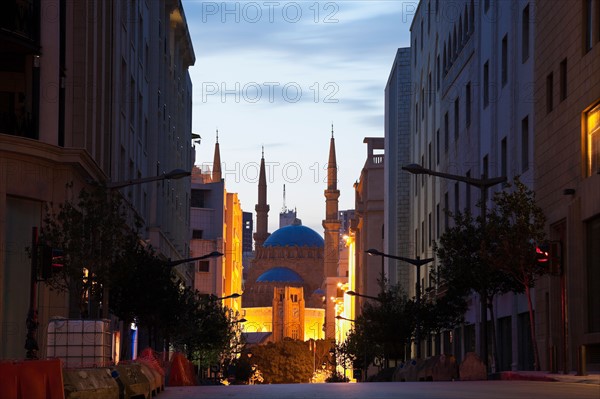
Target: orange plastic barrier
x: 182, y: 371
x: 31, y: 379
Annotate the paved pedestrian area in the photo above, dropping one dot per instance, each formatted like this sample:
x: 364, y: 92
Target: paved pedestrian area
x: 514, y: 389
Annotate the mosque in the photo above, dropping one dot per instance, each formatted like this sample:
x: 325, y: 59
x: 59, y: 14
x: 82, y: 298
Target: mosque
x: 294, y: 272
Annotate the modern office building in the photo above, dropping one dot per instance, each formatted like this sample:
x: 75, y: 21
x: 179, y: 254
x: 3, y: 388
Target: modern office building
x: 100, y: 91
x: 396, y: 212
x: 567, y: 181
x: 472, y: 115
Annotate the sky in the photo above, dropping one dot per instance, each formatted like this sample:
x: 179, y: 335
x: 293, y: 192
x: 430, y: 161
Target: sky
x: 279, y: 74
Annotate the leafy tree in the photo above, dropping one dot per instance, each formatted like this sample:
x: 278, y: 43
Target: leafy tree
x: 92, y: 230
x: 518, y: 226
x: 284, y: 362
x: 464, y: 267
x: 204, y: 330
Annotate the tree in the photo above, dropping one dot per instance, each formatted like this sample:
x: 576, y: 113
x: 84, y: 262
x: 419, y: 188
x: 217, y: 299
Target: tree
x: 518, y: 225
x: 464, y: 265
x: 92, y: 230
x: 284, y: 362
x: 203, y: 329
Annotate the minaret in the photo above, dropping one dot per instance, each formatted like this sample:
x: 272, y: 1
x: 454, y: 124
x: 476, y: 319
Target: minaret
x: 262, y: 208
x: 331, y: 226
x: 216, y: 173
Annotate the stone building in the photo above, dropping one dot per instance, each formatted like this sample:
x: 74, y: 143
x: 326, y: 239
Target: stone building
x: 100, y: 91
x: 567, y: 180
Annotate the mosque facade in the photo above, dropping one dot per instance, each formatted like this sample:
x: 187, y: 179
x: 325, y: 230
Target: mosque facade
x: 295, y: 269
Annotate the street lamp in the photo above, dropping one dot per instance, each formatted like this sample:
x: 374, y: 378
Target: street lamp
x: 213, y: 254
x: 418, y: 262
x: 483, y: 184
x: 172, y: 175
x: 232, y: 296
x: 354, y: 293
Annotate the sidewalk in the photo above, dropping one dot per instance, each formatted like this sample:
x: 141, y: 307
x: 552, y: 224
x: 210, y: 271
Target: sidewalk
x: 591, y: 378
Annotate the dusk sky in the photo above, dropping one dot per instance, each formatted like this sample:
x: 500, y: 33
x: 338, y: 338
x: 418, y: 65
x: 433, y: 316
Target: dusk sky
x: 279, y: 74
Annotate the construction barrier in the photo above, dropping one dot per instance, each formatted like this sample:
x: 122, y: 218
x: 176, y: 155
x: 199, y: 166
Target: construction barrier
x: 181, y: 371
x: 153, y: 377
x: 96, y: 383
x: 31, y: 379
x: 136, y: 383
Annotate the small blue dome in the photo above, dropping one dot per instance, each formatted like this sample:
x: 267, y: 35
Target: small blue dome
x: 280, y: 275
x: 295, y: 235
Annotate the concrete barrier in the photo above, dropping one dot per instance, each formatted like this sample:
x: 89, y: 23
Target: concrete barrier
x: 154, y: 379
x: 31, y: 379
x: 137, y: 385
x: 408, y: 371
x: 445, y: 368
x: 91, y: 383
x: 472, y: 368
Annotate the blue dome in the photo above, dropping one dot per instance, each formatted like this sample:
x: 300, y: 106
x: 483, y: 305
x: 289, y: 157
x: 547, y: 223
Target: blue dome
x: 295, y: 235
x: 280, y: 275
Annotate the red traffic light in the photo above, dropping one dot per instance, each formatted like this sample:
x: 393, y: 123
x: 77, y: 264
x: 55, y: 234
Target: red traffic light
x: 542, y: 255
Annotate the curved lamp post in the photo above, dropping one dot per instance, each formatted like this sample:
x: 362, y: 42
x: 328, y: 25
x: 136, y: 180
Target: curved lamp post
x: 483, y: 184
x: 418, y: 262
x: 213, y: 254
x: 354, y: 293
x: 172, y: 175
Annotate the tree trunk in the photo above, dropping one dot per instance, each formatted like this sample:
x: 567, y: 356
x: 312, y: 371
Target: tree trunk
x: 495, y: 350
x: 536, y: 355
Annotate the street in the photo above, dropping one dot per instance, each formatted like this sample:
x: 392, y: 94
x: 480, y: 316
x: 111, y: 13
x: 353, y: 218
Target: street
x: 384, y: 390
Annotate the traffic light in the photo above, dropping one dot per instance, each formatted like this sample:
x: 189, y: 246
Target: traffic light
x: 549, y: 256
x: 52, y: 260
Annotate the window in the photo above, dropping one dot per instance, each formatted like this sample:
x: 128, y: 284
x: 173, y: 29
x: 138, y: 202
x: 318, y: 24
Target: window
x: 203, y: 266
x: 197, y: 199
x: 549, y: 92
x: 468, y: 104
x: 486, y: 5
x: 525, y: 35
x: 524, y: 144
x: 503, y: 157
x: 446, y: 134
x: 422, y: 36
x: 486, y: 83
x: 437, y: 221
x: 416, y: 118
x: 563, y: 79
x: 423, y: 102
x: 429, y: 230
x: 446, y: 217
x: 588, y: 35
x: 504, y: 70
x: 423, y: 236
x: 437, y: 147
x: 197, y: 234
x: 592, y: 119
x: 456, y: 118
x: 468, y: 196
x: 430, y: 89
x: 592, y: 256
x: 438, y: 72
x: 430, y: 158
x: 456, y: 198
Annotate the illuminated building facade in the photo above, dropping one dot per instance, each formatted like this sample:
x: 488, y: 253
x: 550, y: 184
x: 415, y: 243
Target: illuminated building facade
x: 217, y: 225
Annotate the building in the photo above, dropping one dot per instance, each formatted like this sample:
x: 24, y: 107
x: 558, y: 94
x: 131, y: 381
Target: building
x: 567, y: 180
x: 472, y: 115
x: 368, y: 225
x: 292, y: 288
x: 217, y: 225
x: 396, y: 186
x: 99, y: 92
